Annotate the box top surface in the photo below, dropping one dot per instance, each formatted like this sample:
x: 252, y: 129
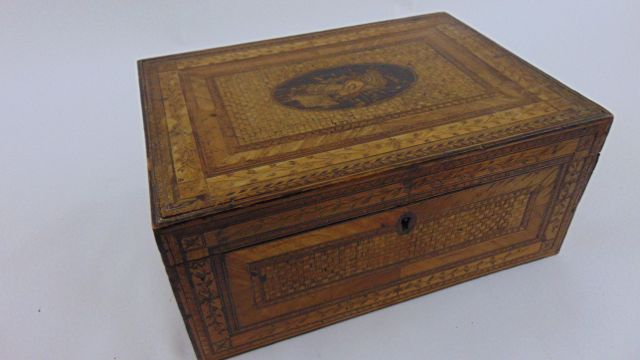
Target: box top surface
x: 234, y: 126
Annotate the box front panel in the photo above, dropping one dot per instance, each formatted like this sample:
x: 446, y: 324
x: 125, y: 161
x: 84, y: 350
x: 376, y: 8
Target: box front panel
x: 475, y: 215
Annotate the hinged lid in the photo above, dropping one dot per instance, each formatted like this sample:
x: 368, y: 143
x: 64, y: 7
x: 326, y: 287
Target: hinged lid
x: 233, y: 126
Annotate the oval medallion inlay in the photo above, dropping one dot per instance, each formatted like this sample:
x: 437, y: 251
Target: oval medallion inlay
x: 344, y: 87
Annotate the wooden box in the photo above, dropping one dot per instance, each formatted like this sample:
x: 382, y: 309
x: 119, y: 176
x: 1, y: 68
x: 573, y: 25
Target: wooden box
x: 302, y: 181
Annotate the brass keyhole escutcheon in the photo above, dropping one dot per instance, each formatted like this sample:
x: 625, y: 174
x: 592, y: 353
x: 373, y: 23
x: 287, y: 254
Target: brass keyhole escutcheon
x: 406, y: 222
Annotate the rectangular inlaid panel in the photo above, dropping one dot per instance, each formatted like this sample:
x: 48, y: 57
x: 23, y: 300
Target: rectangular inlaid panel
x: 305, y: 271
x: 319, y: 97
x: 254, y: 117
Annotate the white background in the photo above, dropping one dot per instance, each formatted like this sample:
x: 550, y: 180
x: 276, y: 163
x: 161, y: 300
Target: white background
x: 80, y: 275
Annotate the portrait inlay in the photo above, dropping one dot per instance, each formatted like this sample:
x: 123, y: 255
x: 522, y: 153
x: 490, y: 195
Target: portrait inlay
x: 344, y: 87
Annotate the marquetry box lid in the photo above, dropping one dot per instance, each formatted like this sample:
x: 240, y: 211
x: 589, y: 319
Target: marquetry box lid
x: 236, y: 126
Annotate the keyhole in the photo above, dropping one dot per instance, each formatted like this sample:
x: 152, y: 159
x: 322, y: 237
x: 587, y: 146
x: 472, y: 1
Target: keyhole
x: 406, y: 223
